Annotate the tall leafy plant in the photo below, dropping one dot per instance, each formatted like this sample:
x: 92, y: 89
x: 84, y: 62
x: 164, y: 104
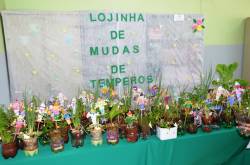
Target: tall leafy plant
x: 6, y: 119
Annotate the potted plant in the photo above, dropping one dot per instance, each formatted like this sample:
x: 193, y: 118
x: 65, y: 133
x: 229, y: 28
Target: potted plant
x: 47, y: 126
x: 56, y: 140
x: 166, y: 127
x: 131, y: 129
x: 9, y: 146
x: 77, y: 132
x: 206, y: 119
x: 166, y: 130
x: 112, y: 127
x: 242, y: 114
x: 30, y: 135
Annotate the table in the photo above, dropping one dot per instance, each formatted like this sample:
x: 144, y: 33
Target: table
x: 212, y: 148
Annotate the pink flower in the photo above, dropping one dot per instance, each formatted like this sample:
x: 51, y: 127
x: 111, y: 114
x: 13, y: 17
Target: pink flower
x: 199, y: 22
x: 194, y: 26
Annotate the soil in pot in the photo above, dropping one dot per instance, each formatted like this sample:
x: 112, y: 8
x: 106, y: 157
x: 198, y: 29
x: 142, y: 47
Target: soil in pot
x: 112, y: 134
x: 132, y: 134
x: 30, y: 146
x: 9, y: 150
x: 56, y: 141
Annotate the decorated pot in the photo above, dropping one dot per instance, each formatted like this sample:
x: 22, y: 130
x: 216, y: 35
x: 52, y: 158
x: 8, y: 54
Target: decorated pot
x: 132, y: 134
x: 30, y: 146
x: 9, y: 150
x: 112, y: 134
x: 56, y: 141
x: 77, y: 138
x: 96, y: 134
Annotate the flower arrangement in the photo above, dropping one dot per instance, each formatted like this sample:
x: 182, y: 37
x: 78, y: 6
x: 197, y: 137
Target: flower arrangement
x: 209, y: 105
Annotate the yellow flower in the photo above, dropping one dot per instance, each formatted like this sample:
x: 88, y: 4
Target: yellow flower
x: 199, y: 28
x: 104, y: 90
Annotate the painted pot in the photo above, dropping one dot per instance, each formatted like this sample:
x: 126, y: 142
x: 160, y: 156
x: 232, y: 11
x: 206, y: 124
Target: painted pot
x: 9, y: 150
x: 96, y: 134
x: 132, y: 134
x: 77, y: 139
x: 112, y: 134
x: 30, y: 146
x: 56, y: 141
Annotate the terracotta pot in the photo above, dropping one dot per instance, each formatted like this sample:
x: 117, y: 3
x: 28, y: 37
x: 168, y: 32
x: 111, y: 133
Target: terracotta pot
x: 30, y: 146
x: 77, y: 138
x: 132, y: 134
x: 112, y: 134
x: 65, y: 134
x: 96, y: 134
x: 192, y: 128
x: 9, y: 150
x: 56, y: 141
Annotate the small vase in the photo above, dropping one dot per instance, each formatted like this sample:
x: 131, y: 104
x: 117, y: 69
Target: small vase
x: 112, y: 134
x: 192, y: 128
x: 56, y: 141
x: 77, y: 138
x: 9, y: 150
x: 65, y: 134
x: 132, y: 134
x: 30, y: 146
x: 96, y: 134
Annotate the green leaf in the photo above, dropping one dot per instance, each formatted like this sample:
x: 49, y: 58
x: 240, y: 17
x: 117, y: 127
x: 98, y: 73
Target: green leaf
x: 194, y: 20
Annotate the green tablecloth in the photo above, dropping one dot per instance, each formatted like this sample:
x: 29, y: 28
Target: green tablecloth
x: 241, y: 158
x: 212, y: 148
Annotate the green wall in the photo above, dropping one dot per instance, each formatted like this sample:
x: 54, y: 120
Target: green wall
x: 224, y: 18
